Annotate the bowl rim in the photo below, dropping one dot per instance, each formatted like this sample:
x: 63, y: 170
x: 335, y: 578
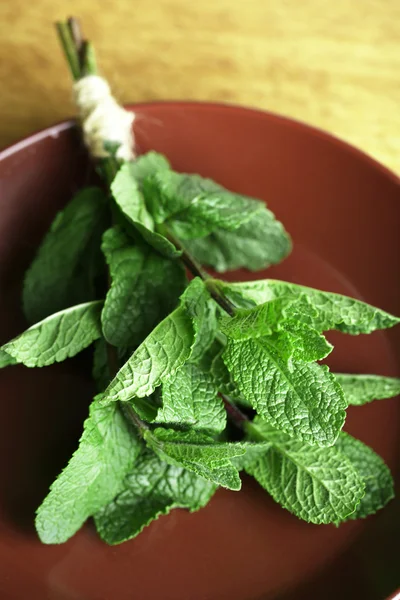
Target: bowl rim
x: 69, y: 123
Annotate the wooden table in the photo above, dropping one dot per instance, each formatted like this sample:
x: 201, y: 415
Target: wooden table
x: 335, y: 65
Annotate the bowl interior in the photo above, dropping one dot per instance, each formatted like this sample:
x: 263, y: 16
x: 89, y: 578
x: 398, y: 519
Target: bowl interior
x: 342, y: 210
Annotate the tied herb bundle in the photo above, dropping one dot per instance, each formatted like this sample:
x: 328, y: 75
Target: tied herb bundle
x: 198, y: 379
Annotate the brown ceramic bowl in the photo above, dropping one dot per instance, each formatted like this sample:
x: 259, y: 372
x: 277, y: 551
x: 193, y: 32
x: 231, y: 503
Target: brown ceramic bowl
x: 343, y: 211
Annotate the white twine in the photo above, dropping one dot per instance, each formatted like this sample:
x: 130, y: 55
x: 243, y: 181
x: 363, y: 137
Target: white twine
x: 103, y: 119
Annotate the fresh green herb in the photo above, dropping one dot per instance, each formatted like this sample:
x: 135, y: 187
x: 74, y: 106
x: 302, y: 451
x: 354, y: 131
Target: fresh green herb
x: 361, y: 389
x: 333, y: 311
x: 5, y: 359
x: 202, y: 309
x: 375, y: 474
x: 65, y: 268
x: 145, y: 287
x: 95, y: 474
x: 195, y: 206
x: 57, y: 337
x: 156, y: 360
x: 258, y: 244
x: 199, y: 453
x: 174, y: 360
x: 319, y: 485
x: 152, y: 488
x: 190, y: 399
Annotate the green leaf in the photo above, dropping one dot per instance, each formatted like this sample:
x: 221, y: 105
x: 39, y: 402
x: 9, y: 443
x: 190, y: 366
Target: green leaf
x: 190, y: 398
x: 301, y: 399
x: 254, y: 452
x: 60, y: 276
x: 166, y: 349
x: 361, y: 389
x: 146, y: 408
x: 202, y: 309
x: 334, y: 310
x: 126, y: 191
x: 376, y: 475
x: 148, y: 164
x: 305, y: 343
x: 318, y: 485
x: 128, y: 185
x: 158, y: 242
x: 93, y: 477
x: 128, y: 196
x: 212, y: 361
x: 145, y: 288
x: 152, y: 489
x: 259, y: 321
x: 5, y: 359
x: 57, y: 337
x: 222, y: 378
x: 283, y: 314
x: 196, y: 206
x: 101, y: 368
x: 199, y: 453
x: 258, y: 244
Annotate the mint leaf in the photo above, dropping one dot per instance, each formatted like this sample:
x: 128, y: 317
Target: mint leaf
x: 361, y: 389
x: 195, y: 205
x: 166, y: 349
x: 101, y: 367
x: 158, y: 242
x: 6, y: 359
x: 128, y: 185
x: 301, y: 399
x: 283, y: 314
x: 148, y: 164
x: 304, y: 342
x: 152, y: 489
x: 254, y: 452
x: 190, y: 398
x: 202, y: 309
x: 258, y: 244
x: 145, y: 288
x: 318, y: 485
x: 94, y: 475
x: 59, y: 276
x: 57, y: 337
x: 223, y: 379
x: 128, y: 196
x: 334, y: 310
x: 375, y: 474
x: 126, y: 191
x: 259, y: 321
x: 199, y: 453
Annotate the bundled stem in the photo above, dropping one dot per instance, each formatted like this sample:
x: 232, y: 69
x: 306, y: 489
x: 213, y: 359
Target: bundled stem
x: 80, y: 57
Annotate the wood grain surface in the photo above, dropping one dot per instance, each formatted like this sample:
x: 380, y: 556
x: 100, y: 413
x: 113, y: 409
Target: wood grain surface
x: 335, y: 65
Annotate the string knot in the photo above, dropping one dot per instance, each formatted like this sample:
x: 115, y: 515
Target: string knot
x: 104, y: 121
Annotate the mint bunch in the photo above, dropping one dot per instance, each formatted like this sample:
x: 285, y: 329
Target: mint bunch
x: 181, y: 358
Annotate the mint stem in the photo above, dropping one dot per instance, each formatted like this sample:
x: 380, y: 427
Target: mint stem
x: 127, y: 410
x: 198, y: 271
x: 220, y: 298
x: 81, y: 60
x: 234, y: 413
x: 68, y: 45
x: 80, y: 56
x: 133, y: 417
x: 77, y: 39
x: 253, y: 432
